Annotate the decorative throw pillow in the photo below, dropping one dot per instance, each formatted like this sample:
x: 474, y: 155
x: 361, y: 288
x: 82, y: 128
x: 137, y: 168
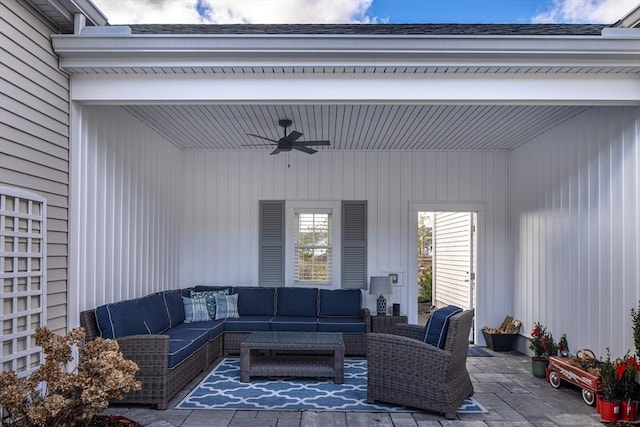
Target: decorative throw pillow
x: 435, y: 331
x: 226, y: 306
x: 195, y: 310
x: 210, y: 299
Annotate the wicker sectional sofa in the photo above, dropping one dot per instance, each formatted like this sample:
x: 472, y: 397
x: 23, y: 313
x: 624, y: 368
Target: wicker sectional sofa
x: 152, y: 331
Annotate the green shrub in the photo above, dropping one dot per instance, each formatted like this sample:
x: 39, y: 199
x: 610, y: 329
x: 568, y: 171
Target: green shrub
x: 424, y: 283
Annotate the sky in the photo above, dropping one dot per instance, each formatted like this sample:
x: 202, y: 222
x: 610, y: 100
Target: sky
x: 121, y: 12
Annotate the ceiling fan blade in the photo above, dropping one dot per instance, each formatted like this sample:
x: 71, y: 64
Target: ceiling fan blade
x: 257, y: 145
x: 292, y: 137
x: 304, y: 149
x: 313, y: 143
x: 263, y: 137
x: 276, y: 151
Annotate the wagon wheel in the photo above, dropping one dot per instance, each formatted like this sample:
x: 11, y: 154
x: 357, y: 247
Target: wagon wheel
x: 554, y: 379
x: 588, y: 396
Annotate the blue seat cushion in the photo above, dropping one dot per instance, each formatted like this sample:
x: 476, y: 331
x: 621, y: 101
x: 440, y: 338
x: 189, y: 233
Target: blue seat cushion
x: 214, y: 327
x: 294, y: 323
x: 253, y: 301
x: 297, y: 302
x: 341, y: 324
x: 120, y: 319
x: 247, y: 323
x: 155, y: 313
x: 183, y: 343
x: 340, y: 303
x: 175, y: 307
x: 435, y: 331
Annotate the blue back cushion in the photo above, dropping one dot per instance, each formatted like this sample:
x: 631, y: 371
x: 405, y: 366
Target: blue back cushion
x: 340, y: 303
x: 120, y: 319
x: 254, y: 301
x: 175, y: 308
x: 297, y: 302
x: 200, y: 288
x: 435, y: 331
x: 155, y: 313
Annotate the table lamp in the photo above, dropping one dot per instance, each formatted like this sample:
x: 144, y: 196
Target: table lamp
x: 380, y: 285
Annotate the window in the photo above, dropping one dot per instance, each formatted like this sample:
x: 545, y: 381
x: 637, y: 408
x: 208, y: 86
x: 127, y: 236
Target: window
x: 313, y: 247
x: 313, y: 242
x: 23, y: 274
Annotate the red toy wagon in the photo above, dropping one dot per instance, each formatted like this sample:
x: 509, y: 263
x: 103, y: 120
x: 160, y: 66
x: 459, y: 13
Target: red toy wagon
x: 574, y: 370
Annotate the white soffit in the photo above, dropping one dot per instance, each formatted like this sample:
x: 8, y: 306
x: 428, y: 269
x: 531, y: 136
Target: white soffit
x: 360, y: 92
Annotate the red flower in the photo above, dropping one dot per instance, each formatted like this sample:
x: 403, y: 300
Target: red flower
x: 620, y: 368
x: 632, y: 361
x: 536, y: 331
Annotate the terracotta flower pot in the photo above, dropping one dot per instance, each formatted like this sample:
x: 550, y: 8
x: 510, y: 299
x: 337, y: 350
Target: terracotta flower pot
x: 609, y: 411
x: 539, y: 367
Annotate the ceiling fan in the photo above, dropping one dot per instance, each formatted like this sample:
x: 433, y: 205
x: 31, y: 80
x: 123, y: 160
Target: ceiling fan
x: 289, y: 142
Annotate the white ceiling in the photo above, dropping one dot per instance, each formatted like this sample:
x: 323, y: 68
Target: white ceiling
x: 355, y: 127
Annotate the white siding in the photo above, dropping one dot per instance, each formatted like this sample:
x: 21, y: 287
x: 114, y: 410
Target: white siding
x: 575, y: 233
x: 34, y: 129
x: 129, y: 217
x: 222, y: 190
x: 452, y: 258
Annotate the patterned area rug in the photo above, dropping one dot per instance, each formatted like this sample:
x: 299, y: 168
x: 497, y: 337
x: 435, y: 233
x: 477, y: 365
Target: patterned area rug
x: 222, y: 389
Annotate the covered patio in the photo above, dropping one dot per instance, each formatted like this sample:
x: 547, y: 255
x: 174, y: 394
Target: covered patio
x: 136, y: 140
x: 503, y: 384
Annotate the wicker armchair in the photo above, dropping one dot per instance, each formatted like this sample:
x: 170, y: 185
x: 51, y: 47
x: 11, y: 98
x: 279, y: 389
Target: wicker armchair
x: 405, y: 371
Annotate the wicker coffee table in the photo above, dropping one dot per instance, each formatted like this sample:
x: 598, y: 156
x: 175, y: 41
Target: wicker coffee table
x: 259, y: 355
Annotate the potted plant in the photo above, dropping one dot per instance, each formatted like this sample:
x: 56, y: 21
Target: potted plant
x: 59, y: 393
x: 626, y: 373
x: 609, y: 403
x: 563, y: 346
x: 635, y: 318
x: 541, y: 343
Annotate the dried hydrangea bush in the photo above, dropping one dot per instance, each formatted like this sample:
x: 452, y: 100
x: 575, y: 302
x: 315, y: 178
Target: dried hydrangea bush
x: 54, y: 394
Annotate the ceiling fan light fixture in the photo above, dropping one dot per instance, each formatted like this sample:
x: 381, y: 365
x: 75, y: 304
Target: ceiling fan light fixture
x: 289, y: 141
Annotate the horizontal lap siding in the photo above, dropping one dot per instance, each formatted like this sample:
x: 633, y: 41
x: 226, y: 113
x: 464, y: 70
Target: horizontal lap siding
x: 575, y: 216
x: 34, y: 130
x: 452, y: 258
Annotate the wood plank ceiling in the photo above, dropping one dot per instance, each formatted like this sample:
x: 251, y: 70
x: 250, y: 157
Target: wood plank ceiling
x: 355, y: 126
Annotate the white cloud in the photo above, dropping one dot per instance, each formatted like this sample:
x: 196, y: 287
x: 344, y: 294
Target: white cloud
x: 585, y: 11
x: 149, y: 11
x: 234, y: 11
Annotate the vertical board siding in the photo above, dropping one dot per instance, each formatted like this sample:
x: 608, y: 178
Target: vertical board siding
x: 220, y: 244
x: 130, y: 209
x: 575, y: 217
x: 34, y: 130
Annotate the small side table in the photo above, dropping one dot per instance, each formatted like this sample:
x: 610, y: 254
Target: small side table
x: 385, y: 324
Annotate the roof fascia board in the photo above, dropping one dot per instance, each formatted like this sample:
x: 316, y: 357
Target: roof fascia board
x: 535, y: 89
x: 343, y: 50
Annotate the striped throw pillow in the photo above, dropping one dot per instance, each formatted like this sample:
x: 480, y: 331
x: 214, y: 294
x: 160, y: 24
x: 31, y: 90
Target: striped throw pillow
x: 195, y: 310
x: 226, y: 306
x: 435, y: 331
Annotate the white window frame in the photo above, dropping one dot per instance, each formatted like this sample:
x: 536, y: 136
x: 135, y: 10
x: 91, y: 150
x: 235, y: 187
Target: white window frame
x: 20, y: 303
x: 321, y: 206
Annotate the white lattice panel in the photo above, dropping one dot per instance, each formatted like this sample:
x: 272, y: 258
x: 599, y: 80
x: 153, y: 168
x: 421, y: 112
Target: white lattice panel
x: 23, y: 275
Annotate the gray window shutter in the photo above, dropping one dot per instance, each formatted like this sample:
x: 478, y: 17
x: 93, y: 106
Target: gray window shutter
x: 354, y: 244
x: 271, y: 269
